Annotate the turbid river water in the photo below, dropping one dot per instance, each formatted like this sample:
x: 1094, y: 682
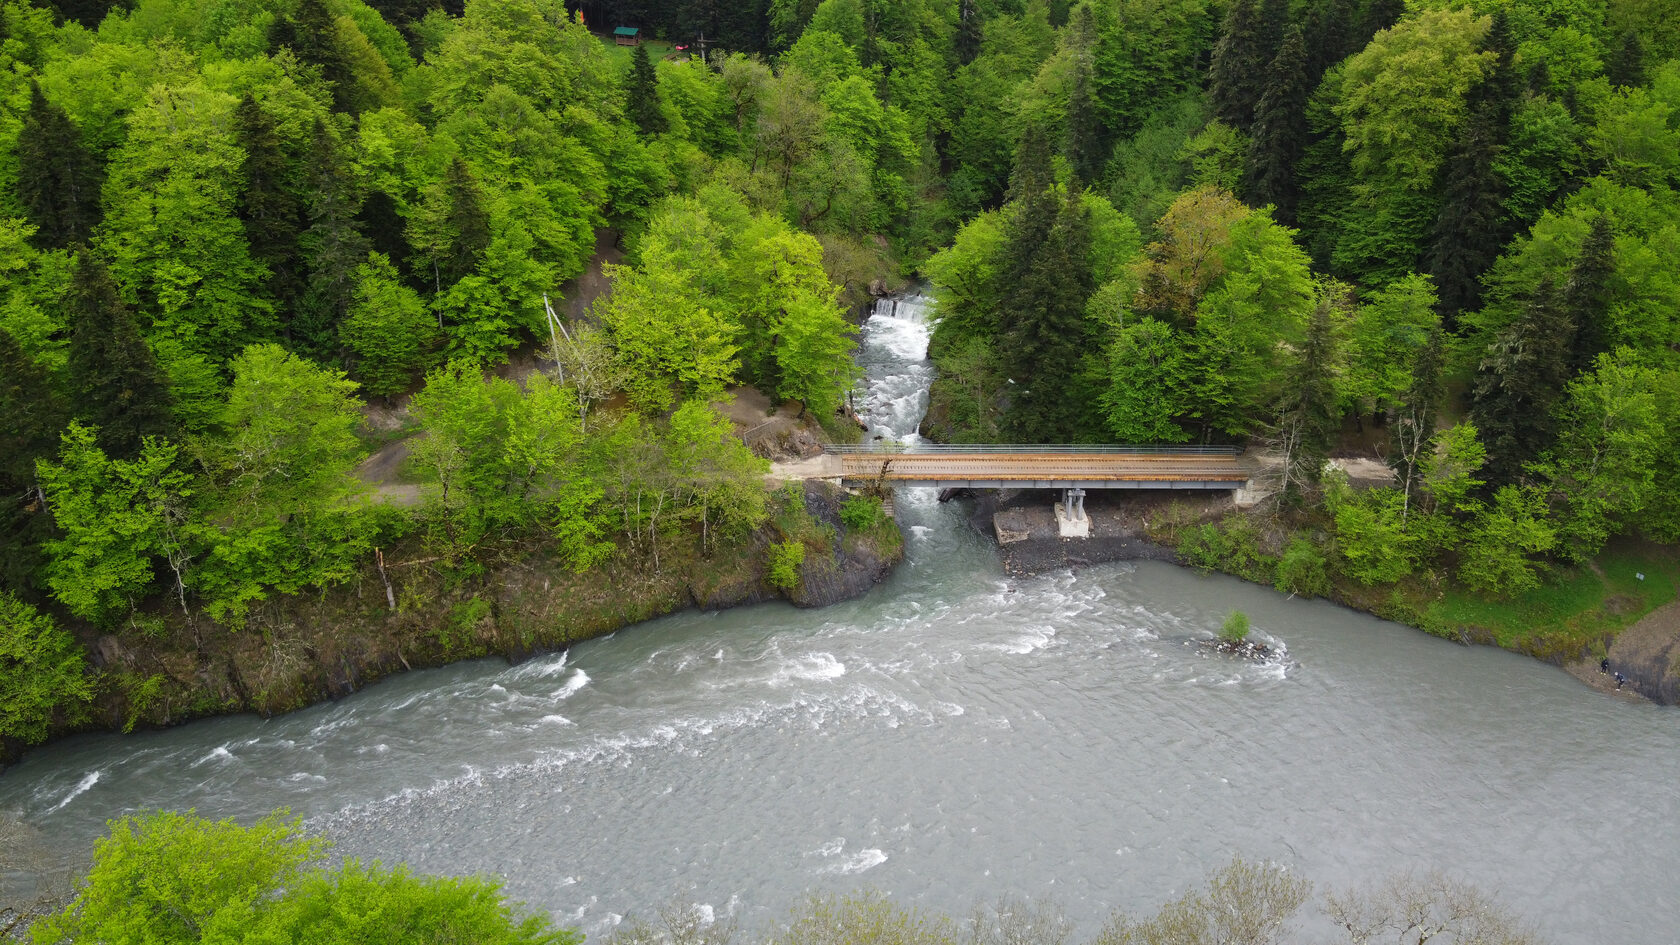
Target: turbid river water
x: 955, y: 735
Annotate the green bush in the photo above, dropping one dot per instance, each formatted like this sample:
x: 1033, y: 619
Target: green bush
x: 457, y: 635
x: 862, y: 513
x: 1232, y: 546
x: 1199, y: 547
x: 1372, y: 538
x: 785, y: 559
x: 42, y: 671
x: 1235, y: 629
x: 1303, y: 569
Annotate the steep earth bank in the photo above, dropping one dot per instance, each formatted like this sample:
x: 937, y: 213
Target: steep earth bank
x: 298, y: 650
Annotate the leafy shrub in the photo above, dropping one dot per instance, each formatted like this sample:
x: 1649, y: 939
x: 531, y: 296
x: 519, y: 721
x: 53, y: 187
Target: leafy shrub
x: 1303, y: 569
x: 1497, y: 557
x: 862, y: 513
x: 457, y: 635
x: 1372, y: 539
x: 1232, y: 546
x: 41, y: 671
x: 785, y: 560
x: 1198, y: 547
x: 1235, y: 629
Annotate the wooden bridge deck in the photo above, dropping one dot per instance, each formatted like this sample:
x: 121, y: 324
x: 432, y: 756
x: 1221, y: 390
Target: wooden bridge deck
x: 981, y: 469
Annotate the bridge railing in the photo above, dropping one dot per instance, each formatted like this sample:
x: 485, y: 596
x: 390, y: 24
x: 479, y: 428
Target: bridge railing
x: 999, y: 449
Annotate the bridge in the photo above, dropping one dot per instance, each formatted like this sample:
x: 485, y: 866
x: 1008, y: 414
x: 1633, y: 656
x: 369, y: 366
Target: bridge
x: 1042, y: 467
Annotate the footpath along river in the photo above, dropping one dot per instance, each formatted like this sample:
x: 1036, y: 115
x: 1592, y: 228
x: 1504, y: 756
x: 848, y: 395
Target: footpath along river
x: 954, y: 735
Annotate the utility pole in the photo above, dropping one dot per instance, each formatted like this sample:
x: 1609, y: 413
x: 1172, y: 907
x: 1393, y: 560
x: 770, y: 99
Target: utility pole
x: 554, y: 339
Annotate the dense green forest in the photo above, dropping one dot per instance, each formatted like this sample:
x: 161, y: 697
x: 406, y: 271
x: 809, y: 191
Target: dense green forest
x: 1446, y: 226
x: 1444, y: 232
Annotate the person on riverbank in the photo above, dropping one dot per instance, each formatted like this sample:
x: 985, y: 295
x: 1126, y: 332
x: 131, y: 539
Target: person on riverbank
x: 1620, y: 679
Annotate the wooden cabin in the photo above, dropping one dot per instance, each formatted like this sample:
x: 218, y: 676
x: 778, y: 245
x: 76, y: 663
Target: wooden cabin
x: 628, y: 36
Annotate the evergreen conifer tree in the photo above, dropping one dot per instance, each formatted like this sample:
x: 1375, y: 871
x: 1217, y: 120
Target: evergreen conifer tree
x: 1586, y: 296
x: 1272, y: 24
x: 1083, y: 139
x: 271, y: 212
x: 641, y: 94
x: 1501, y: 88
x: 1031, y: 213
x: 312, y: 34
x: 332, y: 246
x: 1044, y: 330
x: 89, y: 13
x: 57, y: 177
x: 33, y: 415
x: 1379, y: 16
x: 1519, y: 382
x: 1470, y: 227
x: 1310, y: 418
x: 383, y: 224
x: 1237, y: 58
x: 117, y: 384
x: 1030, y: 303
x: 1327, y: 37
x: 969, y: 31
x: 742, y: 26
x: 1280, y: 130
x: 403, y: 14
x: 1033, y: 172
x: 468, y: 223
x: 1626, y: 67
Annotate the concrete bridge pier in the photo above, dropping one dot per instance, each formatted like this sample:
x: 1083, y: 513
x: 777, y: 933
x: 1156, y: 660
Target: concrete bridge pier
x: 1071, y: 520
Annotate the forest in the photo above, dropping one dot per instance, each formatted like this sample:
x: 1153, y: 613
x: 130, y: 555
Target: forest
x: 230, y: 228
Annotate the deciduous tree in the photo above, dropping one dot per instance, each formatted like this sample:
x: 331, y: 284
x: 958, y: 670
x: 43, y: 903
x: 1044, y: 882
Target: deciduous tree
x: 116, y: 517
x: 388, y: 328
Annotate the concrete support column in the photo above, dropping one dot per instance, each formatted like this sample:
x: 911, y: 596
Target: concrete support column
x: 1070, y: 514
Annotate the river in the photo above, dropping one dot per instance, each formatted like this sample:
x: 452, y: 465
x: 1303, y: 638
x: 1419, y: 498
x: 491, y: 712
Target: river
x: 952, y: 736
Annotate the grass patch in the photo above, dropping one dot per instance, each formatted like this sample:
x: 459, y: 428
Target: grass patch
x: 621, y: 55
x: 869, y: 527
x: 374, y: 439
x: 1576, y: 609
